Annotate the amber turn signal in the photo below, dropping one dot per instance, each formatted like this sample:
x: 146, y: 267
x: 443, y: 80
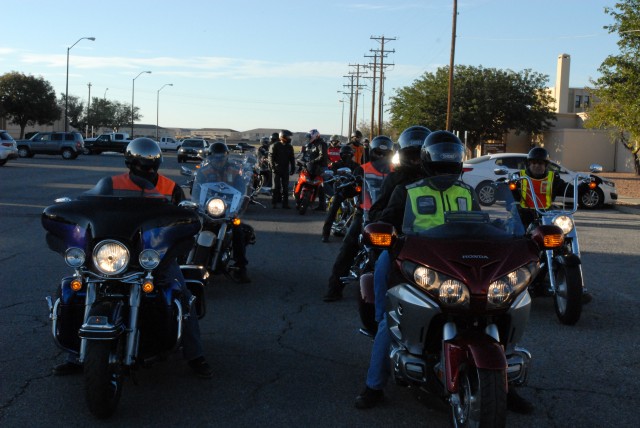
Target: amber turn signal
x: 512, y: 186
x: 380, y: 239
x: 76, y: 285
x: 147, y: 287
x: 592, y: 185
x: 553, y: 241
x: 236, y: 221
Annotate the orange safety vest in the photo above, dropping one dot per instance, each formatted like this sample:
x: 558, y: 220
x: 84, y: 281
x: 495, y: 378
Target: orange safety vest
x: 543, y: 188
x: 358, y: 153
x: 371, y: 172
x: 123, y: 182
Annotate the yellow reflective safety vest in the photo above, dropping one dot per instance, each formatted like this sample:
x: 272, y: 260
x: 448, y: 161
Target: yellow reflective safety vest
x: 429, y: 204
x: 543, y: 188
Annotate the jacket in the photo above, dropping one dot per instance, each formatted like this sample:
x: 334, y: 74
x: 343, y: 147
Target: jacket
x: 282, y: 159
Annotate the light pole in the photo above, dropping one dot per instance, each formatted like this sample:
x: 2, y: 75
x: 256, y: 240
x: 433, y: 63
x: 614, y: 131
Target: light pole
x: 133, y: 91
x: 66, y: 91
x: 158, y: 107
x: 104, y: 97
x: 342, y: 117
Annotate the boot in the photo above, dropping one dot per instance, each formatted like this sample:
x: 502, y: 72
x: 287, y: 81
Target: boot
x: 334, y: 294
x: 240, y: 275
x: 369, y: 398
x: 518, y: 404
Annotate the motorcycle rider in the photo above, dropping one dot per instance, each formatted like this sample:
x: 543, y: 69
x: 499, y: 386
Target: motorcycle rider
x: 333, y: 151
x: 217, y: 167
x: 346, y: 161
x: 380, y: 166
x: 283, y: 165
x: 143, y: 157
x: 263, y: 161
x: 317, y: 160
x: 441, y: 190
x: 365, y: 154
x: 358, y: 149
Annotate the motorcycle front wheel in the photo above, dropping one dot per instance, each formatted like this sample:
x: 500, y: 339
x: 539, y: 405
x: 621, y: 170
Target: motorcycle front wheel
x: 305, y: 201
x: 481, y: 400
x: 102, y: 379
x: 568, y: 296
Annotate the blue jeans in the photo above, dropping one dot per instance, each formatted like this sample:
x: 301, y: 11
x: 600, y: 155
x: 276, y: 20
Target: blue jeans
x: 379, y: 365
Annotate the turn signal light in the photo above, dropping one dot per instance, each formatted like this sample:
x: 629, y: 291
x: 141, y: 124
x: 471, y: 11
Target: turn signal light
x: 358, y: 189
x: 553, y: 241
x: 236, y: 221
x: 592, y: 185
x: 147, y: 287
x: 512, y: 186
x: 76, y: 285
x: 380, y: 239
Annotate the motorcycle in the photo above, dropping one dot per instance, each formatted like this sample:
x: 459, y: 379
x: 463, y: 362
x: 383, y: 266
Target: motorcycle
x: 561, y: 266
x: 220, y: 197
x: 459, y: 305
x: 110, y: 312
x: 307, y: 187
x: 349, y: 187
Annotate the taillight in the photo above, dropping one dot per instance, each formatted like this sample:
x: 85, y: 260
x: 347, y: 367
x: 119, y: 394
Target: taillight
x: 7, y: 144
x: 467, y: 169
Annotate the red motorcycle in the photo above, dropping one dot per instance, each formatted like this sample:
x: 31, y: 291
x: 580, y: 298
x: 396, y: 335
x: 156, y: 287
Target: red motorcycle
x: 459, y: 305
x: 307, y: 187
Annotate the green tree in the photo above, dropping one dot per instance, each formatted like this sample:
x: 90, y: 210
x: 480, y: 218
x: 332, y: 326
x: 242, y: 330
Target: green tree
x: 74, y: 110
x: 487, y: 103
x: 618, y: 89
x: 27, y: 100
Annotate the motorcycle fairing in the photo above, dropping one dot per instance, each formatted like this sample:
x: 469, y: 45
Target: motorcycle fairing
x: 481, y: 352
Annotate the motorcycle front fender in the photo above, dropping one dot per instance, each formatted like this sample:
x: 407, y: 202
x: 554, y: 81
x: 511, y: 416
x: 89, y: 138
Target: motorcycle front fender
x: 569, y: 260
x: 481, y: 352
x: 366, y: 287
x: 104, y: 322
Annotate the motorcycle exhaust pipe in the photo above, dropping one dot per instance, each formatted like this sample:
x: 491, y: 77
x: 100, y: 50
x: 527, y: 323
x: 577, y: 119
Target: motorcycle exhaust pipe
x: 407, y: 367
x: 518, y: 367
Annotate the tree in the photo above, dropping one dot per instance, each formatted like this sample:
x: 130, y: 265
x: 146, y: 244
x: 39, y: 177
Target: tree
x: 74, y: 110
x: 27, y: 100
x: 487, y: 103
x: 618, y: 88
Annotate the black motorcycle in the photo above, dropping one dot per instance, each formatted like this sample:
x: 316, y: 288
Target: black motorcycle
x: 110, y: 312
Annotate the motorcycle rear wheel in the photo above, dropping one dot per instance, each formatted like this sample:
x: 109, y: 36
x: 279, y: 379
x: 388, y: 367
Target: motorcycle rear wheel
x: 481, y: 400
x: 568, y: 296
x: 102, y: 380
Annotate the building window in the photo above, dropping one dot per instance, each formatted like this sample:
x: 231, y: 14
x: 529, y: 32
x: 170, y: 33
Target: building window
x: 586, y: 101
x: 578, y: 101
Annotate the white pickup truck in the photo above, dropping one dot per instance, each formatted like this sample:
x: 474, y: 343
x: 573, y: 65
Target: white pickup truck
x: 169, y: 143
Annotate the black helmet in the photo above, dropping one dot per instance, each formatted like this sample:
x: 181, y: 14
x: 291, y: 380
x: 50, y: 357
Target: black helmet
x: 442, y: 154
x: 218, y: 153
x: 356, y: 134
x: 275, y: 137
x: 381, y: 146
x: 346, y: 153
x: 410, y: 141
x: 285, y: 133
x: 264, y: 141
x: 143, y: 153
x: 538, y: 153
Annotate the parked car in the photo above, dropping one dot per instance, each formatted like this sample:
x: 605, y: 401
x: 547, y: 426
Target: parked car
x: 67, y: 144
x: 479, y: 173
x: 8, y: 147
x: 169, y: 143
x: 241, y: 147
x: 109, y: 142
x: 192, y: 149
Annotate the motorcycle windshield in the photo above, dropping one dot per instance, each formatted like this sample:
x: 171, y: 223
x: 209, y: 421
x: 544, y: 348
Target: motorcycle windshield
x: 229, y: 181
x: 429, y: 214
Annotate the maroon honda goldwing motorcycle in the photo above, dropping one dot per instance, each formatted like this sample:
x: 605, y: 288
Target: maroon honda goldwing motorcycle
x: 459, y: 305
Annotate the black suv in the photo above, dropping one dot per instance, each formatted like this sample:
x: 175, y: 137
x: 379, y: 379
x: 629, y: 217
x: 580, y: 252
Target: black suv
x: 67, y: 144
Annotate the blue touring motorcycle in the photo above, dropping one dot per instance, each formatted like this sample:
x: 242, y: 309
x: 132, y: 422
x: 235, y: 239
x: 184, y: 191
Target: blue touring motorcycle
x: 110, y: 312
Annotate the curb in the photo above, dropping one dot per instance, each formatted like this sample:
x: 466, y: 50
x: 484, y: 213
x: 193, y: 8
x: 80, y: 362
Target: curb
x: 626, y: 209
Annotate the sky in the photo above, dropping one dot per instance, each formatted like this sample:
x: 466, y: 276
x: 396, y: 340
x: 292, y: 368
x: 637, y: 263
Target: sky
x: 247, y: 64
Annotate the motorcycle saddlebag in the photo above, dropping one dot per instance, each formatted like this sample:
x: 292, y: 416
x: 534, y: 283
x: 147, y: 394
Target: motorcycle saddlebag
x: 70, y: 315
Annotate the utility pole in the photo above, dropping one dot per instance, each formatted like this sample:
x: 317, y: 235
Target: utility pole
x: 451, y: 62
x: 382, y: 53
x: 373, y: 91
x: 88, y: 110
x: 350, y: 93
x: 357, y: 87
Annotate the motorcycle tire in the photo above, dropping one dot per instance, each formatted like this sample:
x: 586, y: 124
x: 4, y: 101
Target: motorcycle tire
x: 305, y: 201
x: 102, y: 380
x: 481, y: 399
x: 568, y: 296
x: 367, y: 312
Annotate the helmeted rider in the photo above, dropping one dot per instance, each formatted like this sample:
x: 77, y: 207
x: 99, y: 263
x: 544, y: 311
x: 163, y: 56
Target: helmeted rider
x: 346, y: 161
x: 358, y: 149
x: 379, y: 168
x: 143, y: 157
x: 283, y: 164
x: 333, y: 151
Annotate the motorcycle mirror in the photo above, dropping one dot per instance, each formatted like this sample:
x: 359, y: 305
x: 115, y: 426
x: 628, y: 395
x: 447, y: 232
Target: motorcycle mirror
x: 185, y: 171
x: 594, y: 167
x: 189, y: 205
x: 501, y: 170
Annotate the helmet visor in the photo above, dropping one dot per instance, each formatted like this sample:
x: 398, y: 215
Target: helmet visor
x: 446, y: 152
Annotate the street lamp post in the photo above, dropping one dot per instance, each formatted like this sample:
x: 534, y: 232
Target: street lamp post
x: 66, y: 91
x: 133, y: 91
x: 158, y: 107
x: 104, y: 97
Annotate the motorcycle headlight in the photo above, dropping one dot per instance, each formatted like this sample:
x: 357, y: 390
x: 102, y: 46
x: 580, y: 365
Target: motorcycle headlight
x: 110, y: 257
x: 425, y: 278
x: 149, y: 259
x: 74, y: 257
x: 511, y: 284
x: 216, y: 207
x: 564, y: 222
x: 454, y: 293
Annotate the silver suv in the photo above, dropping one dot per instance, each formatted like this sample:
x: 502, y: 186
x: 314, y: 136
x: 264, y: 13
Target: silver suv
x: 67, y: 144
x: 8, y: 149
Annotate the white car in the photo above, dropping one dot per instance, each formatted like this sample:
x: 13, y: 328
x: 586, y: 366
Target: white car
x: 8, y: 148
x: 479, y: 174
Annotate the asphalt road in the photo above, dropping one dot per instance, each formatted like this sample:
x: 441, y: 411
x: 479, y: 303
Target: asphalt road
x: 281, y: 356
